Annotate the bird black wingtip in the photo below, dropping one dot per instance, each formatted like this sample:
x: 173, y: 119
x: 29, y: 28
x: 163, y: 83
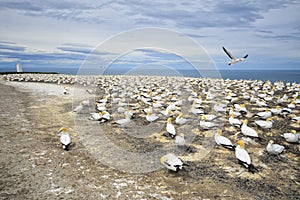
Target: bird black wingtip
x: 246, y: 56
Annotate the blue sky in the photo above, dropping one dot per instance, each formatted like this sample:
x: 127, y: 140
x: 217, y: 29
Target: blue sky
x: 61, y: 34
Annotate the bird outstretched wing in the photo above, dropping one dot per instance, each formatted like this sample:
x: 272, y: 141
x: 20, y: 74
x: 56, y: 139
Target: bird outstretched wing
x: 228, y: 53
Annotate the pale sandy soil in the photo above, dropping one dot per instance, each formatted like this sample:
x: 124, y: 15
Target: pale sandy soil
x: 34, y: 166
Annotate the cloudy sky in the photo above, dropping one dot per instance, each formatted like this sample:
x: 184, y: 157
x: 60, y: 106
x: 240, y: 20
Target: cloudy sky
x: 61, y: 34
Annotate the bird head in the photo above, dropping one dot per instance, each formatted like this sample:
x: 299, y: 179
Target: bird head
x: 203, y: 117
x: 232, y: 115
x: 267, y: 109
x: 169, y: 119
x: 245, y: 121
x: 269, y: 119
x: 169, y: 112
x: 293, y: 131
x: 103, y: 112
x: 277, y: 107
x: 271, y: 141
x: 180, y: 115
x: 163, y: 159
x: 148, y: 113
x: 241, y: 143
x: 243, y: 105
x: 63, y: 129
x: 219, y: 132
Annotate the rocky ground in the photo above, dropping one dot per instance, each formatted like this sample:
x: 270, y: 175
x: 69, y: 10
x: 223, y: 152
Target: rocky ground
x: 34, y: 166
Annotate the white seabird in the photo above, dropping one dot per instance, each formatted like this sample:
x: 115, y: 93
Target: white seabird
x: 172, y: 162
x: 243, y: 157
x: 170, y: 128
x: 65, y: 138
x: 233, y: 59
x: 274, y: 148
x: 224, y: 141
x: 291, y: 137
x: 248, y: 131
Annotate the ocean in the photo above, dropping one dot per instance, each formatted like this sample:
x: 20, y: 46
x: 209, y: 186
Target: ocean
x: 265, y: 75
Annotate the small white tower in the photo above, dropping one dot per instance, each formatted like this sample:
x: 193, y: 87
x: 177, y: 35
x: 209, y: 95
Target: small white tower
x: 19, y: 67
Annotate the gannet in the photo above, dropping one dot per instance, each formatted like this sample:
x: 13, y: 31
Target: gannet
x: 65, y: 138
x: 233, y: 59
x: 96, y: 116
x: 233, y: 121
x: 224, y: 141
x: 170, y: 127
x: 172, y: 162
x: 231, y: 111
x: 180, y: 120
x: 105, y: 116
x: 206, y: 125
x: 243, y: 157
x: 247, y: 131
x: 240, y: 108
x: 295, y: 118
x: 196, y: 110
x: 274, y: 148
x: 291, y: 105
x: 219, y: 108
x: 66, y: 91
x: 123, y: 121
x: 291, y: 137
x: 276, y: 111
x: 265, y: 124
x: 151, y: 117
x: 264, y: 115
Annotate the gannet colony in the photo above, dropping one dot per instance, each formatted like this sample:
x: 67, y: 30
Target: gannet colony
x: 248, y: 120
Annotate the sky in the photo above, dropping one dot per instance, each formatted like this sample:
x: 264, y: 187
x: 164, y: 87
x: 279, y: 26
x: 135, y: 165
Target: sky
x: 56, y: 34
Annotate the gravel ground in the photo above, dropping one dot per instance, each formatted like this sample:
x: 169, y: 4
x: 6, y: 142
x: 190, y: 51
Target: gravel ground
x: 34, y: 166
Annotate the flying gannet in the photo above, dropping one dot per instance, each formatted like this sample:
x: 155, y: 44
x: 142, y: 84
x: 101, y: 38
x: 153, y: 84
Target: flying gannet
x: 233, y: 59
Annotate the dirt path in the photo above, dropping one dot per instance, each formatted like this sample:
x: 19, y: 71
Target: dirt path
x: 34, y: 166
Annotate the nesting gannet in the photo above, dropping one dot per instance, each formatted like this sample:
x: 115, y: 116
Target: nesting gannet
x: 96, y: 116
x: 65, y: 138
x: 291, y: 137
x: 240, y: 108
x: 274, y: 148
x: 233, y: 121
x: 123, y: 121
x: 231, y: 111
x: 105, y: 116
x: 276, y: 111
x: 180, y: 120
x: 100, y: 106
x: 295, y: 118
x: 248, y: 131
x: 196, y: 110
x: 151, y: 117
x: 233, y: 59
x: 243, y: 157
x: 206, y: 125
x: 170, y: 127
x: 265, y: 124
x: 172, y: 162
x: 264, y: 115
x: 291, y: 105
x: 224, y: 141
x: 219, y: 107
